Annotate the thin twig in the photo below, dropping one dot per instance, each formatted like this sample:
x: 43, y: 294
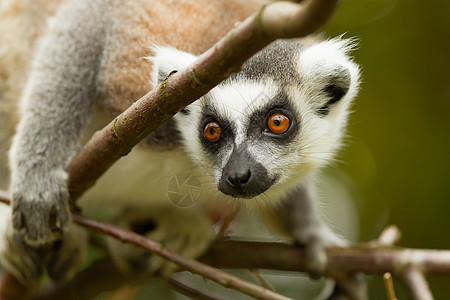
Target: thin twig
x: 261, y: 280
x: 415, y: 283
x: 389, y: 285
x: 390, y: 236
x: 190, y: 265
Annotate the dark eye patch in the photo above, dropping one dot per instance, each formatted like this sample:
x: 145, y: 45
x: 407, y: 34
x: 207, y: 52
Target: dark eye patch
x: 209, y: 114
x: 258, y: 129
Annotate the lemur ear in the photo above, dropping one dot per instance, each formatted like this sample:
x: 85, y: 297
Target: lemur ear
x: 336, y: 87
x: 166, y: 60
x: 328, y: 73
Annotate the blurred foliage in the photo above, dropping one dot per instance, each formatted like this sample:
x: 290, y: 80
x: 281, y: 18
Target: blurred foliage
x: 399, y: 134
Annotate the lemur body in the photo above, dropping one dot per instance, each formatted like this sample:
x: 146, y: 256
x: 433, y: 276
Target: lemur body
x: 255, y: 140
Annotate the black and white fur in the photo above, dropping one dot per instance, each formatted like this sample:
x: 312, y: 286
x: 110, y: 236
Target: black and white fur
x: 314, y: 86
x: 312, y: 83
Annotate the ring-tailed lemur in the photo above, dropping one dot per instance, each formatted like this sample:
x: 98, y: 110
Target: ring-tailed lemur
x: 256, y: 140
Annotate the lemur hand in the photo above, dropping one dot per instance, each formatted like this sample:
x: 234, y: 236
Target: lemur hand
x: 40, y: 205
x: 316, y: 240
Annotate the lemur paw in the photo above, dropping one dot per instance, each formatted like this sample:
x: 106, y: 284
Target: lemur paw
x: 315, y: 242
x: 188, y: 234
x: 62, y: 259
x: 41, y: 211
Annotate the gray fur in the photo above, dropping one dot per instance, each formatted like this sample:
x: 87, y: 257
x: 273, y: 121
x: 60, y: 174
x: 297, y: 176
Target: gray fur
x: 299, y: 216
x: 273, y: 61
x: 58, y: 99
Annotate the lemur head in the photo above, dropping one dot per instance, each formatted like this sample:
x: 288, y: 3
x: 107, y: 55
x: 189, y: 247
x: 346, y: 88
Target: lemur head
x: 274, y: 122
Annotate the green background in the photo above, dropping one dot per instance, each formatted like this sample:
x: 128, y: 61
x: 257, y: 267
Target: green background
x: 398, y: 152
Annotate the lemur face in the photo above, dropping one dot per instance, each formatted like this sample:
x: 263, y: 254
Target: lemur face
x: 246, y: 131
x: 274, y: 122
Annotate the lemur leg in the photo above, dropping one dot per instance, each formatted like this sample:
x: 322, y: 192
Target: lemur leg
x: 185, y: 231
x: 59, y: 97
x: 298, y: 215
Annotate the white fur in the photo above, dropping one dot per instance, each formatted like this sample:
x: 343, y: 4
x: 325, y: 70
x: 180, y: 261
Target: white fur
x: 166, y: 60
x: 239, y: 100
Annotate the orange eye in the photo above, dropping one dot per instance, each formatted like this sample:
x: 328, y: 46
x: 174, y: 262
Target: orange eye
x: 212, y: 131
x: 278, y: 123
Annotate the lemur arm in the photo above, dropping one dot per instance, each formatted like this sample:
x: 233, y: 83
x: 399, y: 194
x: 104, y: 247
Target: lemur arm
x: 299, y: 217
x: 59, y: 96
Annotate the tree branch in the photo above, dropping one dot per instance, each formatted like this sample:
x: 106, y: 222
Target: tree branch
x: 415, y: 283
x: 276, y: 256
x: 389, y: 286
x: 257, y: 255
x: 193, y: 266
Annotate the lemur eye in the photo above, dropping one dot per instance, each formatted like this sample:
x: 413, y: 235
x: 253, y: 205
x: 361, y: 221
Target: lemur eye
x: 212, y: 132
x: 278, y: 123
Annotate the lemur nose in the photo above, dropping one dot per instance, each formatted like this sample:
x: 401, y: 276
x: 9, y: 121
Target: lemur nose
x: 239, y: 179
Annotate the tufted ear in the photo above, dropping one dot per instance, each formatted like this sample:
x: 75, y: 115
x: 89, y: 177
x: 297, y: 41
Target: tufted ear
x: 336, y: 87
x: 328, y: 72
x: 166, y: 60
